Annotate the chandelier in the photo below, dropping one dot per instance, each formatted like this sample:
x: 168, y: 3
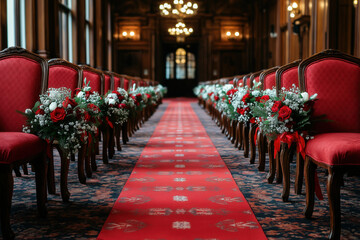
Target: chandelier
x: 178, y: 9
x: 180, y: 31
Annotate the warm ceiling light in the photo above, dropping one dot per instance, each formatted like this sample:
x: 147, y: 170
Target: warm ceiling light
x: 124, y: 34
x: 132, y: 33
x: 355, y: 3
x: 289, y: 8
x: 294, y: 5
x: 178, y: 9
x: 292, y: 15
x: 228, y: 33
x: 237, y: 34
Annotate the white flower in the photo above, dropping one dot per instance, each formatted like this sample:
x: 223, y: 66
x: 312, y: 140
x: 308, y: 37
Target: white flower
x: 80, y: 94
x: 52, y: 106
x: 305, y: 96
x: 314, y: 96
x: 28, y: 111
x: 87, y: 89
x: 111, y: 101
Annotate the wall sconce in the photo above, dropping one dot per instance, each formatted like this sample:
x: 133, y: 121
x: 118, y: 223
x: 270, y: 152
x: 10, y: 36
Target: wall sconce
x: 293, y: 9
x: 129, y: 33
x: 232, y: 34
x: 355, y: 3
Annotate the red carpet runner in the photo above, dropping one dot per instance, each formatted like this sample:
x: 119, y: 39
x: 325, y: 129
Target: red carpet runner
x: 181, y: 189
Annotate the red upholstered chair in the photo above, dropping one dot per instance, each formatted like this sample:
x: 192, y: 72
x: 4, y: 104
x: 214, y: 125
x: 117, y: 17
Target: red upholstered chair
x: 95, y: 78
x: 64, y: 74
x: 108, y: 81
x: 335, y: 77
x: 249, y: 128
x: 267, y: 79
x: 118, y: 81
x: 238, y: 143
x: 126, y: 84
x: 23, y: 78
x: 287, y: 77
x: 109, y: 86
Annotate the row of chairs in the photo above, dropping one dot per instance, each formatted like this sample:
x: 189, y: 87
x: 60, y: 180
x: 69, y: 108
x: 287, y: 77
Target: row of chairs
x: 335, y: 77
x: 24, y: 76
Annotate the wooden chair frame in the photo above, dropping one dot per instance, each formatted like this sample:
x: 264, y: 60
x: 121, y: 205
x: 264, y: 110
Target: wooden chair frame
x: 336, y: 173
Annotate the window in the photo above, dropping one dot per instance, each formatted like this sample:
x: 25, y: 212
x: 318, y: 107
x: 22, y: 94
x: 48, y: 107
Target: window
x: 169, y: 72
x: 191, y: 65
x: 16, y: 27
x: 65, y: 26
x: 88, y: 32
x: 181, y: 64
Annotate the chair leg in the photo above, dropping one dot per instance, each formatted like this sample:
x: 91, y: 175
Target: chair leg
x: 262, y: 143
x: 65, y: 194
x: 50, y: 174
x: 87, y: 157
x: 272, y: 164
x: 246, y: 140
x: 309, y: 173
x: 25, y: 169
x: 236, y: 134
x: 93, y: 162
x: 124, y: 132
x: 6, y: 192
x: 111, y: 143
x: 117, y: 137
x: 240, y: 135
x: 40, y: 178
x: 278, y: 175
x: 17, y: 171
x: 105, y: 132
x: 299, y: 173
x: 333, y: 190
x: 285, y: 166
x: 252, y: 143
x: 233, y: 131
x: 81, y: 165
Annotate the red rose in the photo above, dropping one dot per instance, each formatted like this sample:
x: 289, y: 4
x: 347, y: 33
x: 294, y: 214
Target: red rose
x: 148, y: 96
x: 284, y: 113
x: 276, y: 106
x: 93, y: 107
x: 58, y: 114
x: 257, y: 99
x: 87, y: 117
x: 308, y: 105
x: 245, y: 98
x: 120, y: 97
x: 40, y: 111
x: 122, y: 105
x: 216, y: 98
x: 252, y: 120
x: 242, y: 110
x: 264, y: 98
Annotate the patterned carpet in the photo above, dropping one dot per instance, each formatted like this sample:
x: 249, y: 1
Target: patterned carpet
x: 90, y: 204
x: 180, y: 188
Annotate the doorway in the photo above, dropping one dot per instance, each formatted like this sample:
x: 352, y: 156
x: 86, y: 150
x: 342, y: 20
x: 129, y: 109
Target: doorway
x: 180, y: 70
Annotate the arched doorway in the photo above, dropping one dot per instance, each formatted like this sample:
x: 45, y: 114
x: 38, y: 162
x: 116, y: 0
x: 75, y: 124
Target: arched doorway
x: 180, y: 71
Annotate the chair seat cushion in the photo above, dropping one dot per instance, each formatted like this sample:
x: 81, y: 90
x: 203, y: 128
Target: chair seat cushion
x: 335, y: 148
x: 15, y: 146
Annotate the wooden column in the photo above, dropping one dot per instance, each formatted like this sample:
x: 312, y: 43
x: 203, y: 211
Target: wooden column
x: 3, y: 26
x: 98, y: 34
x: 81, y: 40
x: 46, y: 28
x: 357, y: 31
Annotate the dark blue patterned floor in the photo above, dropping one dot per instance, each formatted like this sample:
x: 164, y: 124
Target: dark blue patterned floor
x: 282, y: 220
x: 90, y: 204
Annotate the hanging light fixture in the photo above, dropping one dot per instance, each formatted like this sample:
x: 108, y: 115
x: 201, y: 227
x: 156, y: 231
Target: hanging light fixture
x: 178, y: 9
x: 180, y: 31
x: 293, y: 9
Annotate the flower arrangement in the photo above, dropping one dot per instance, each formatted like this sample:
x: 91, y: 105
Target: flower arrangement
x: 114, y: 111
x: 244, y: 100
x: 58, y: 117
x: 286, y: 118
